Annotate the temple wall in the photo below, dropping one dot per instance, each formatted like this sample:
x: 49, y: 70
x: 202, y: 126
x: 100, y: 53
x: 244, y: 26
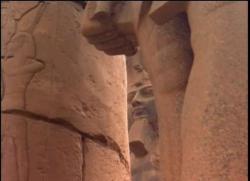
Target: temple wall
x: 64, y: 108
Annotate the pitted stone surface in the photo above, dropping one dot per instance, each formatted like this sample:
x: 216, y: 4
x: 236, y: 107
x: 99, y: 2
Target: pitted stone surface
x: 54, y: 77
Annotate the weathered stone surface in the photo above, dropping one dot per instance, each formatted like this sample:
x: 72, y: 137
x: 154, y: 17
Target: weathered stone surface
x: 98, y: 168
x: 162, y: 11
x: 202, y: 135
x: 146, y: 168
x: 101, y: 22
x: 137, y: 135
x: 167, y: 57
x: 52, y: 74
x: 215, y: 142
x: 126, y: 18
x: 142, y: 120
x: 202, y: 116
x: 36, y: 150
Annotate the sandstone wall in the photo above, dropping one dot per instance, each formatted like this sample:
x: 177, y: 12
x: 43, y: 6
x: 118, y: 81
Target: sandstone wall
x: 64, y: 107
x: 214, y: 120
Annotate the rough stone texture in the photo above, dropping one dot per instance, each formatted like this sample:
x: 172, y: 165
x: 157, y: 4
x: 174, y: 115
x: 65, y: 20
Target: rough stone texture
x: 112, y: 22
x: 162, y: 11
x: 143, y: 125
x: 98, y: 167
x: 203, y: 131
x: 167, y: 57
x: 206, y: 126
x: 54, y: 76
x: 98, y: 13
x: 214, y: 123
x: 36, y: 150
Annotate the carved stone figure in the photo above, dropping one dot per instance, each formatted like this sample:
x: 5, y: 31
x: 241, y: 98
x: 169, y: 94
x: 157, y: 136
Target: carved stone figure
x: 196, y: 57
x: 61, y: 104
x: 64, y: 114
x: 143, y: 126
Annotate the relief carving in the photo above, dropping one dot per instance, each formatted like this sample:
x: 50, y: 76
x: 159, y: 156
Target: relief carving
x: 142, y: 122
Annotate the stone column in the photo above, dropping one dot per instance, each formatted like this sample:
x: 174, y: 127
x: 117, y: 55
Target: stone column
x: 64, y: 108
x: 167, y: 57
x: 214, y: 122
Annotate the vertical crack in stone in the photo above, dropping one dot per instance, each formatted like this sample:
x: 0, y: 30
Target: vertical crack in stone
x: 27, y: 11
x: 83, y: 158
x: 27, y: 149
x: 100, y: 139
x: 103, y: 140
x: 29, y: 31
x: 16, y: 155
x: 37, y: 18
x: 2, y: 83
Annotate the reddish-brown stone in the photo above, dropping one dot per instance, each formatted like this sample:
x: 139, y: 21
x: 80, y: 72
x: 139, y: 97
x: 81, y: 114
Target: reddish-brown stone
x: 67, y: 92
x: 214, y: 120
x: 207, y: 140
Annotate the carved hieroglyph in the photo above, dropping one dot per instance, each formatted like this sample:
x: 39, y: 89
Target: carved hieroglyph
x: 62, y: 101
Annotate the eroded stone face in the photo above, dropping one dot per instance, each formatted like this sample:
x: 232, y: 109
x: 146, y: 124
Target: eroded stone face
x: 142, y: 122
